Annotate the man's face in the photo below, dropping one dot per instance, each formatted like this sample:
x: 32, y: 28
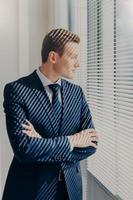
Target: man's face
x: 67, y: 63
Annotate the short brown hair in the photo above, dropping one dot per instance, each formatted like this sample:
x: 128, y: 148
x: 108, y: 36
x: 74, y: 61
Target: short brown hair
x: 56, y: 40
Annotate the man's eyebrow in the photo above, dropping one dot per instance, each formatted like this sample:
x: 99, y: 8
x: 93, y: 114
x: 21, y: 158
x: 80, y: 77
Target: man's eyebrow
x: 72, y: 54
x: 75, y: 54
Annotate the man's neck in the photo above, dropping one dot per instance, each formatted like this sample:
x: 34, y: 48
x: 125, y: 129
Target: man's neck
x: 48, y: 71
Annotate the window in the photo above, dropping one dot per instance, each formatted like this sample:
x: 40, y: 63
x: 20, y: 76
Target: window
x: 109, y: 92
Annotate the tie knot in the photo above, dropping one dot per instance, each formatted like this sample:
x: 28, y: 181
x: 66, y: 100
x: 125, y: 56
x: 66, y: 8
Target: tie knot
x: 54, y: 87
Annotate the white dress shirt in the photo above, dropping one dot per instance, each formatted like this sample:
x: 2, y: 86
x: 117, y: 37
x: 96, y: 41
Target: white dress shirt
x: 45, y: 81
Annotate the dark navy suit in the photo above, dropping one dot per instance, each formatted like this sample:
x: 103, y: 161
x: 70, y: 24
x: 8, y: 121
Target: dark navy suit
x: 34, y: 171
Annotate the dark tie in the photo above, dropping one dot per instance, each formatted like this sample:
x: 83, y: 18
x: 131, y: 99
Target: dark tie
x: 57, y: 107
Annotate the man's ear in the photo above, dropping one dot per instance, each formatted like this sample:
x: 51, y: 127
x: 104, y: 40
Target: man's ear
x: 52, y: 57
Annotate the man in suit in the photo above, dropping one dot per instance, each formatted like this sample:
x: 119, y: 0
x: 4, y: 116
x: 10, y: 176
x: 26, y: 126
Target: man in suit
x: 49, y: 125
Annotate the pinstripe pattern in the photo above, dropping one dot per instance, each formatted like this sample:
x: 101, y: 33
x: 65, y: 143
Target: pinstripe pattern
x: 33, y: 174
x: 57, y: 107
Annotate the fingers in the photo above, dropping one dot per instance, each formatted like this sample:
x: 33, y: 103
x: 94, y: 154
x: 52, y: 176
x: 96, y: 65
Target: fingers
x: 93, y: 133
x: 29, y: 130
x: 92, y: 144
x: 31, y: 134
x: 85, y: 138
x: 89, y: 131
x: 28, y: 122
x: 94, y: 139
x: 94, y: 136
x: 89, y: 136
x: 27, y: 127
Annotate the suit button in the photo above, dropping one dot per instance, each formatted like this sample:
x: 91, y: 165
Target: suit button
x: 60, y: 176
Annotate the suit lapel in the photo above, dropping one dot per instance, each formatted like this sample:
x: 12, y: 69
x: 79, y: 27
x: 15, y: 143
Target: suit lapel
x: 41, y: 94
x: 65, y: 96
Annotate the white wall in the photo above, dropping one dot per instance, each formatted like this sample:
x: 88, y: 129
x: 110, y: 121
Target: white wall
x: 23, y: 25
x: 38, y: 26
x: 8, y: 71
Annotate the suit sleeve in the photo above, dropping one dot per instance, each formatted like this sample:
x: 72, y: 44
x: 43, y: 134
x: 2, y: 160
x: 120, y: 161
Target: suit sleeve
x: 25, y: 148
x: 86, y: 122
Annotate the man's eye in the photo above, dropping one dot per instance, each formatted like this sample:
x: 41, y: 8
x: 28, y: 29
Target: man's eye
x: 74, y: 57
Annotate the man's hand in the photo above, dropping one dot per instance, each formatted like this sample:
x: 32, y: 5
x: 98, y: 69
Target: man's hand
x: 29, y: 130
x: 84, y: 138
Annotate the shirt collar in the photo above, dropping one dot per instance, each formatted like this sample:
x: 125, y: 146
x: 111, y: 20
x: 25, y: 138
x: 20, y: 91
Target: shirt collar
x: 45, y: 81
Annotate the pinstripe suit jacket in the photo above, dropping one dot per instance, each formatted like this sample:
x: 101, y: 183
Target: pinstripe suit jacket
x: 33, y: 174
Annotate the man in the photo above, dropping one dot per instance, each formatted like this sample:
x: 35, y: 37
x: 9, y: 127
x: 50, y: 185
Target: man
x: 49, y: 125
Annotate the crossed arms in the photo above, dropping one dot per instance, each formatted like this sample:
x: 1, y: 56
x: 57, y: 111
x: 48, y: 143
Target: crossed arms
x: 29, y: 146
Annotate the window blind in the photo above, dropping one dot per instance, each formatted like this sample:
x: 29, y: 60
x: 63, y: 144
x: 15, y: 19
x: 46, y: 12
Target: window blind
x: 100, y: 89
x: 109, y: 92
x: 123, y: 82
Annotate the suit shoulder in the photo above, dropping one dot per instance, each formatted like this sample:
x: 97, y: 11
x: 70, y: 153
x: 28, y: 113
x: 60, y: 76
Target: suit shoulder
x: 24, y: 80
x: 12, y: 86
x: 19, y: 80
x: 70, y: 84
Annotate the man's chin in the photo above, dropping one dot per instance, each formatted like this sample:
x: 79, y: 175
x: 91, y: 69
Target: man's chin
x: 69, y: 76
